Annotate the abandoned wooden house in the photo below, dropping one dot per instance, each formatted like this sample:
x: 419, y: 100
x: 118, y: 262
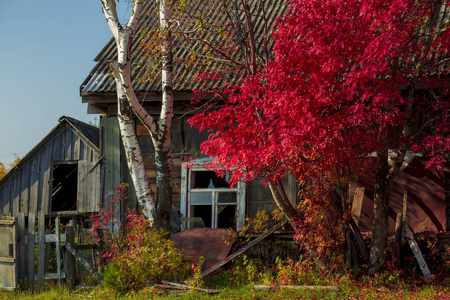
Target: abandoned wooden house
x: 58, y: 174
x: 429, y: 205
x: 99, y: 92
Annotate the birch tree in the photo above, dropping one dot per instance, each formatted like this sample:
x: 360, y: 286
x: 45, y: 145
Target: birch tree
x: 157, y: 211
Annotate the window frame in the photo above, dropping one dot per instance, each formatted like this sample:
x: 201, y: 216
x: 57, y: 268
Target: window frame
x: 185, y: 201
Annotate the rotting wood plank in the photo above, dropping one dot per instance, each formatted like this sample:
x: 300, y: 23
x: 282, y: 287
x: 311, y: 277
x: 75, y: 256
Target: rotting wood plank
x: 173, y: 285
x: 22, y: 246
x: 34, y: 185
x: 359, y: 240
x: 417, y: 253
x: 357, y: 204
x: 30, y: 248
x: 242, y: 250
x: 404, y: 212
x: 25, y: 187
x: 82, y: 186
x: 69, y: 264
x: 398, y: 236
x: 84, y: 262
x: 58, y: 252
x: 41, y: 249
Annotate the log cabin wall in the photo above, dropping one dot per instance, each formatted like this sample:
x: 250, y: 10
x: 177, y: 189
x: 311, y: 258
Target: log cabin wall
x: 29, y: 186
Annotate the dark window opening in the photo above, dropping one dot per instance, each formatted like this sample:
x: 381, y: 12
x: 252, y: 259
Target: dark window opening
x: 225, y: 216
x: 207, y: 180
x: 65, y: 187
x: 204, y: 212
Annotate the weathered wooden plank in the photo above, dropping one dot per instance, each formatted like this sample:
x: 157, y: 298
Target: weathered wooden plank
x: 30, y: 248
x: 51, y: 238
x: 69, y: 264
x: 84, y: 263
x: 82, y: 186
x: 7, y: 259
x: 76, y: 155
x: 398, y: 236
x: 82, y: 150
x: 180, y: 286
x: 111, y: 148
x: 41, y: 249
x: 15, y: 195
x: 242, y: 250
x: 58, y: 251
x: 359, y: 240
x: 7, y: 204
x: 34, y: 185
x: 7, y: 222
x: 46, y: 171
x: 93, y: 188
x: 68, y: 143
x: 417, y: 253
x: 8, y: 253
x: 22, y: 261
x: 25, y: 187
x: 357, y: 204
x: 404, y: 214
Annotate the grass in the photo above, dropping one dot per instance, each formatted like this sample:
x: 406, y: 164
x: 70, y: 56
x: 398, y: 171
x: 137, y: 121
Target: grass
x: 349, y: 287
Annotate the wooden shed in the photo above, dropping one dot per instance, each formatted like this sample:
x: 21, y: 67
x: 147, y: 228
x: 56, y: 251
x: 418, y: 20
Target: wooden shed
x: 59, y: 174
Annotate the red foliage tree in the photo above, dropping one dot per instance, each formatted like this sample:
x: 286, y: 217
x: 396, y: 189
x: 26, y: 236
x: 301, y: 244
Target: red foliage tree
x: 350, y: 78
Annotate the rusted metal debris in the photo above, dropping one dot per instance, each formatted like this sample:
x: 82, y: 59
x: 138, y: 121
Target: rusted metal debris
x: 213, y: 244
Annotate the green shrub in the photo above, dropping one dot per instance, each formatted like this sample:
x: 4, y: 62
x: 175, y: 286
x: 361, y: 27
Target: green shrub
x: 145, y: 258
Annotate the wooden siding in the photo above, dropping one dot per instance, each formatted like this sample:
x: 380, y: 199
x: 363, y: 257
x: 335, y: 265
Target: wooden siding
x: 28, y: 188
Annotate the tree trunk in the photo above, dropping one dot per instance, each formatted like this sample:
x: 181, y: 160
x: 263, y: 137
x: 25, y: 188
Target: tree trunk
x: 162, y: 142
x: 282, y: 200
x: 380, y: 217
x: 125, y: 97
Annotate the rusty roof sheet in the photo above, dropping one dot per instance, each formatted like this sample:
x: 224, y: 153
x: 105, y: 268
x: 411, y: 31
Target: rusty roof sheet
x: 100, y: 80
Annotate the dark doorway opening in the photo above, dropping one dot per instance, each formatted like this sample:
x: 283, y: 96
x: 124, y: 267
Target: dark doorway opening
x: 65, y: 187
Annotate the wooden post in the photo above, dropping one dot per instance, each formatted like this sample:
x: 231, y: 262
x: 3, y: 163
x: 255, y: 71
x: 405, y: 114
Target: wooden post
x: 30, y: 248
x: 404, y: 212
x: 69, y: 264
x: 58, y: 252
x: 398, y: 236
x: 22, y: 247
x: 41, y: 249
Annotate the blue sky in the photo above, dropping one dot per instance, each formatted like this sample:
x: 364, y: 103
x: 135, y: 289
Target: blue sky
x: 47, y: 49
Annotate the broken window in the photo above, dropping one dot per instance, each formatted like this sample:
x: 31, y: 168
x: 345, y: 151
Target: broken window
x: 208, y: 200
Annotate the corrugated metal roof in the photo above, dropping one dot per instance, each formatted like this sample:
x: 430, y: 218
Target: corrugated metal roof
x: 100, y: 80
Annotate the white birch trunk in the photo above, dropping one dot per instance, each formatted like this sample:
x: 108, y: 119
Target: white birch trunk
x: 162, y: 140
x: 127, y: 102
x: 158, y: 212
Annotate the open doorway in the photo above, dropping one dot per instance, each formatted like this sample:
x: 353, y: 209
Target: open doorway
x: 65, y: 187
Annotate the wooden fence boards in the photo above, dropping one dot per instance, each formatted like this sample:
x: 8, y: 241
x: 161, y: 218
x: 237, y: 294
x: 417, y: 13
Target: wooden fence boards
x: 41, y: 249
x: 8, y: 253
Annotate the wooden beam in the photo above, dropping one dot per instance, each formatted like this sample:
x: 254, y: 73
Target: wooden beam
x: 84, y: 262
x: 242, y: 250
x: 357, y: 204
x: 417, y: 253
x: 41, y: 249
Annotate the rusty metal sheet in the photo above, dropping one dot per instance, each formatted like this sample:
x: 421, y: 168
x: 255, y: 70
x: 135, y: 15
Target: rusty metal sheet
x: 426, y: 198
x: 206, y: 242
